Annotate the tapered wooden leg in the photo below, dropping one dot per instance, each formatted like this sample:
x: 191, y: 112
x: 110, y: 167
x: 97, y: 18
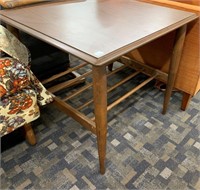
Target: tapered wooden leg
x: 100, y: 108
x: 110, y: 67
x: 185, y: 100
x: 175, y: 60
x: 29, y: 134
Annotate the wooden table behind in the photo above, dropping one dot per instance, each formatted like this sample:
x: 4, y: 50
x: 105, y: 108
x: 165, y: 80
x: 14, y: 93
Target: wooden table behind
x: 157, y: 53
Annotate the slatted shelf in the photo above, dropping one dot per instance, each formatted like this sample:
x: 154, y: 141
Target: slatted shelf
x: 67, y: 103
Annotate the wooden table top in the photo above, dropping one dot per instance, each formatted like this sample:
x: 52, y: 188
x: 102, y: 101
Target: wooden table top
x: 97, y: 31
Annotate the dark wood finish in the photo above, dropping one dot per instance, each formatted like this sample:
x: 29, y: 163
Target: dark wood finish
x: 175, y: 60
x: 91, y: 32
x: 100, y: 108
x: 99, y: 32
x: 29, y: 134
x: 110, y: 67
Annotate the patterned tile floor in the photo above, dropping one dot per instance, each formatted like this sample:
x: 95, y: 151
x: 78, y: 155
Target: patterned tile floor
x: 145, y: 149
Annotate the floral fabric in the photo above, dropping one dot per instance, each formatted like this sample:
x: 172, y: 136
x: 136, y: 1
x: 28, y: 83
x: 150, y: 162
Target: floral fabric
x: 13, y: 47
x: 20, y: 90
x: 13, y: 76
x: 18, y: 109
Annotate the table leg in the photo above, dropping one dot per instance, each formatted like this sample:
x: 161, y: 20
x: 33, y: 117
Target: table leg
x: 175, y: 60
x: 100, y: 109
x: 185, y: 101
x: 29, y: 134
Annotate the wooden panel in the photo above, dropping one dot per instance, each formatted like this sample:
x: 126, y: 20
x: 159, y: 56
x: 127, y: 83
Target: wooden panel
x: 180, y: 4
x: 198, y: 86
x: 156, y: 53
x: 189, y: 70
x: 191, y: 2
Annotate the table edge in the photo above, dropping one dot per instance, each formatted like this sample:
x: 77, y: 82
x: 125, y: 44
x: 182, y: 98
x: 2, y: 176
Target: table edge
x: 104, y: 60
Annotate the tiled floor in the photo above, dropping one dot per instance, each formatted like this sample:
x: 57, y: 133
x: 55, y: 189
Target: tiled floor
x: 145, y: 149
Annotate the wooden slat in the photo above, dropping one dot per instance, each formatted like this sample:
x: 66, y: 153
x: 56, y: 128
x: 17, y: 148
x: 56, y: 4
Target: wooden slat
x: 89, y: 85
x: 69, y: 83
x: 78, y: 116
x: 78, y: 92
x: 123, y: 81
x: 146, y: 69
x: 111, y: 88
x: 130, y: 93
x: 84, y: 105
x: 63, y: 73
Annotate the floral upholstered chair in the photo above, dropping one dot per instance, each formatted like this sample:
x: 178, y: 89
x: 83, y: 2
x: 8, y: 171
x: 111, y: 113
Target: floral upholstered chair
x: 20, y: 91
